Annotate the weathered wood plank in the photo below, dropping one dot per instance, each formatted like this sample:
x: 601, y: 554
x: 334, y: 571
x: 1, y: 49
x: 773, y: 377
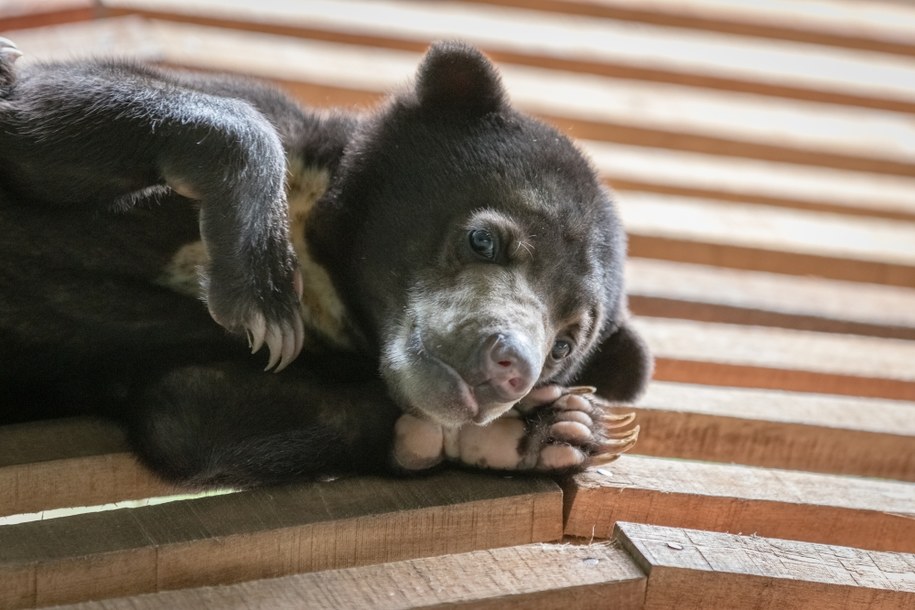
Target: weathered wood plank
x: 671, y: 116
x: 270, y: 532
x: 697, y: 569
x: 875, y: 25
x: 72, y: 462
x: 533, y: 576
x: 570, y: 43
x: 15, y: 14
x: 775, y: 358
x: 813, y: 432
x: 770, y: 239
x: 703, y: 176
x: 860, y: 512
x: 670, y: 289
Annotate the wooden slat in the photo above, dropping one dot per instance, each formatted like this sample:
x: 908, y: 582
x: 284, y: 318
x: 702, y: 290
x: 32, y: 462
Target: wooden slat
x: 860, y: 512
x: 713, y: 294
x: 696, y: 569
x: 270, y: 532
x: 575, y: 44
x: 594, y: 107
x: 814, y: 432
x: 637, y: 168
x: 75, y: 462
x: 15, y: 14
x: 774, y: 358
x: 876, y: 25
x: 541, y: 576
x: 770, y: 239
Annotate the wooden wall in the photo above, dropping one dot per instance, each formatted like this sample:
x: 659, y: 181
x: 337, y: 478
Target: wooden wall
x: 764, y: 156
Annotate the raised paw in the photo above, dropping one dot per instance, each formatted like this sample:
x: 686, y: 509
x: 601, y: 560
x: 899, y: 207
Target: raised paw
x: 265, y: 308
x: 571, y: 428
x: 8, y: 56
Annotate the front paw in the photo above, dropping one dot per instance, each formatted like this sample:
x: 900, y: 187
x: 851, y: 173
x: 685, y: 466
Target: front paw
x: 260, y: 298
x: 569, y: 429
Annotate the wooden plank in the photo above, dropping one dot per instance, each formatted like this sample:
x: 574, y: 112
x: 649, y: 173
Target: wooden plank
x: 712, y: 294
x: 270, y: 532
x: 637, y: 168
x: 73, y: 462
x: 696, y: 569
x: 875, y: 25
x: 16, y: 14
x: 532, y: 576
x: 774, y: 358
x: 575, y: 44
x: 769, y: 239
x: 867, y: 513
x: 670, y: 116
x: 813, y: 432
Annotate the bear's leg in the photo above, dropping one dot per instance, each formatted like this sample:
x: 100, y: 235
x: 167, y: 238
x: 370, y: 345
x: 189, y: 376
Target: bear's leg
x: 227, y: 425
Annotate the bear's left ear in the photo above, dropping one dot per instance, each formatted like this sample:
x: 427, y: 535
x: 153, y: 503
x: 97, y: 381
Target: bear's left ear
x: 457, y: 77
x: 620, y: 367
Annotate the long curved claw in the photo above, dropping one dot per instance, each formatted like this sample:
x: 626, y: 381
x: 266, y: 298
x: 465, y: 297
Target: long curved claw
x: 257, y: 330
x: 292, y: 340
x: 8, y: 49
x: 274, y: 341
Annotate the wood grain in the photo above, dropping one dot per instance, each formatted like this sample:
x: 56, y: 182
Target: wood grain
x: 270, y: 532
x: 538, y: 576
x: 860, y: 512
x: 777, y: 429
x: 697, y: 569
x: 775, y: 358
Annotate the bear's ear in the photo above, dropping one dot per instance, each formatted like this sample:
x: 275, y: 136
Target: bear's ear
x: 457, y: 77
x: 620, y: 367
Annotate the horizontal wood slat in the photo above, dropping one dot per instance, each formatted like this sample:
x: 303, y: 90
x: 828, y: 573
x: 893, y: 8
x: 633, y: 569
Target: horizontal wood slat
x: 541, y: 576
x: 696, y: 569
x: 270, y: 532
x: 851, y: 511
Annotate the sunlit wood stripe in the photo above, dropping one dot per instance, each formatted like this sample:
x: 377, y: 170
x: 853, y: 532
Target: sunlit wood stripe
x: 778, y: 429
x: 16, y: 14
x: 851, y: 511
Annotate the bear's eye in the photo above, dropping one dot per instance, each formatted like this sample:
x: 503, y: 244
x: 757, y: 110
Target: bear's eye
x: 561, y: 349
x: 483, y: 243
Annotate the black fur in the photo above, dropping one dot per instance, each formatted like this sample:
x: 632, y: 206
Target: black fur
x: 108, y: 168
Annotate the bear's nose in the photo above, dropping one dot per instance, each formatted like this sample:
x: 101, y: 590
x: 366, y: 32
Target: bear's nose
x: 511, y: 365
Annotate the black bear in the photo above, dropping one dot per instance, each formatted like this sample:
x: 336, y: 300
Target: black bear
x: 429, y: 276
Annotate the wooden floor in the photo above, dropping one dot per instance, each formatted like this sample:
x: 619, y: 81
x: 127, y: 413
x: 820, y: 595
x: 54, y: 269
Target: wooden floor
x: 764, y: 156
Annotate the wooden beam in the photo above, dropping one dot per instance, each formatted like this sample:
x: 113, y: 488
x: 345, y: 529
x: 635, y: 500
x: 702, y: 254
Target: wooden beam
x: 860, y: 512
x: 775, y: 358
x: 813, y: 432
x: 17, y: 14
x: 270, y: 532
x: 670, y: 289
x: 697, y: 569
x: 670, y: 116
x: 575, y: 44
x: 541, y: 576
x: 877, y: 26
x: 72, y: 462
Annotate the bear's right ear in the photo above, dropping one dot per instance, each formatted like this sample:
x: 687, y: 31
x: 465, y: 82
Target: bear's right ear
x: 456, y: 77
x: 620, y: 367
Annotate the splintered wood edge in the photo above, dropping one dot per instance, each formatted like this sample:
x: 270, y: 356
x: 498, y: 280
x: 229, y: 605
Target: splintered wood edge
x: 777, y: 429
x: 831, y: 509
x: 270, y: 532
x: 690, y: 568
x: 531, y: 576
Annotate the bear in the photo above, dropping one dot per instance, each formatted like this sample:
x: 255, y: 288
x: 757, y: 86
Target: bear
x: 429, y: 279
